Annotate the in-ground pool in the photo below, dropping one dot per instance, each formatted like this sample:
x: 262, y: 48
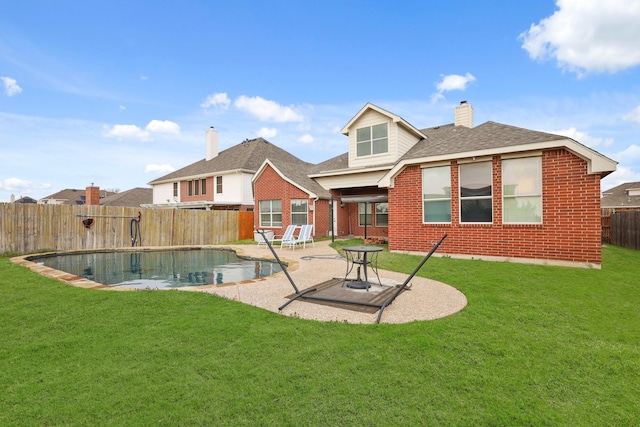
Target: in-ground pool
x: 166, y: 268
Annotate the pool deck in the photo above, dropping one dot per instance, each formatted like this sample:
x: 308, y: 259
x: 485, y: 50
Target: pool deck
x: 426, y: 299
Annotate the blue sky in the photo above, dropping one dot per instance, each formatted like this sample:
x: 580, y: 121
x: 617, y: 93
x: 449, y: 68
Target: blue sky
x: 118, y: 93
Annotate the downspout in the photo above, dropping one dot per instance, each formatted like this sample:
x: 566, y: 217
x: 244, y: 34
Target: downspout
x: 314, y: 214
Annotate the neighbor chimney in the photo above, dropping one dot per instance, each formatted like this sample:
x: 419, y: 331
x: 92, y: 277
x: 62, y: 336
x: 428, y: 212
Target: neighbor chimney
x: 212, y: 143
x: 464, y: 115
x: 92, y: 195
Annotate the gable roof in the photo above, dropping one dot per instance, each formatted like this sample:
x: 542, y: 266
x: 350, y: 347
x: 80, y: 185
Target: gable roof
x: 297, y: 174
x: 246, y: 156
x: 394, y: 117
x: 130, y: 198
x: 618, y: 197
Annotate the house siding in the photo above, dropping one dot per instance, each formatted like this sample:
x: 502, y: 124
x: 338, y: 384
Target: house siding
x: 570, y: 229
x: 371, y: 118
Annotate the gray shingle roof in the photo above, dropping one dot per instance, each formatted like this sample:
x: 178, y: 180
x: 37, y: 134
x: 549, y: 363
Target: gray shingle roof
x: 130, y: 198
x: 450, y: 139
x: 248, y: 155
x: 618, y: 197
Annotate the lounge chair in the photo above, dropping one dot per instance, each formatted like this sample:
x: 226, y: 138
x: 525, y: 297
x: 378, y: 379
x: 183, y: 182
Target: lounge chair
x: 302, y: 238
x: 286, y: 237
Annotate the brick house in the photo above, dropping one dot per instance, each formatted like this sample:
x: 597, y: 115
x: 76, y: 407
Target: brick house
x: 500, y: 192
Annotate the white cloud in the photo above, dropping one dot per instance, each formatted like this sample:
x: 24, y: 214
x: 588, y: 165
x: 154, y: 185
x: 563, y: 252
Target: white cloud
x: 583, y: 137
x: 620, y: 176
x: 216, y: 99
x: 20, y: 185
x: 134, y: 132
x: 267, y: 110
x: 127, y: 132
x: 11, y: 87
x: 633, y: 115
x: 160, y: 126
x: 152, y: 168
x: 267, y: 132
x: 451, y: 82
x: 306, y: 139
x: 588, y: 36
x: 122, y: 108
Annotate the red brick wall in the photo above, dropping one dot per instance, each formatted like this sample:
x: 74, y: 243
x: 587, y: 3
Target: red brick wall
x: 570, y: 229
x: 92, y: 196
x: 208, y: 197
x: 271, y: 186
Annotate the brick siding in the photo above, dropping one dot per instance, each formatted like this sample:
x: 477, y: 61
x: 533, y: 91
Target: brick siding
x: 570, y: 229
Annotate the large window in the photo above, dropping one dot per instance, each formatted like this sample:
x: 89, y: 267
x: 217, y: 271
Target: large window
x: 382, y: 214
x: 271, y: 213
x: 299, y: 212
x: 522, y: 190
x: 364, y: 214
x: 372, y: 140
x: 436, y: 194
x: 476, y: 192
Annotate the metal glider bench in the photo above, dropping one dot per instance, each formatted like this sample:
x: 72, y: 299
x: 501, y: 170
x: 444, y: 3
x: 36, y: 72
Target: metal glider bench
x: 308, y: 293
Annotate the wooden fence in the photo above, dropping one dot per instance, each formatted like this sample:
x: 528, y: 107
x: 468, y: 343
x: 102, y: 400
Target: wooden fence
x: 26, y: 228
x: 625, y: 229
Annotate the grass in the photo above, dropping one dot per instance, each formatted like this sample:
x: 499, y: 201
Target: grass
x: 536, y: 345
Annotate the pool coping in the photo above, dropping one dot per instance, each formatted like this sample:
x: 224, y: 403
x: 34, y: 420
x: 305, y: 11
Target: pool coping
x: 81, y: 282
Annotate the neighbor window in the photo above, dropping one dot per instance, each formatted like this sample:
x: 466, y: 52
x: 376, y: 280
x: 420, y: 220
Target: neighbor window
x: 476, y: 192
x: 372, y: 140
x: 203, y: 186
x: 436, y: 194
x: 364, y: 214
x: 218, y: 184
x: 271, y: 213
x: 382, y: 214
x: 175, y: 189
x: 196, y: 187
x: 299, y: 212
x: 189, y: 188
x: 522, y: 190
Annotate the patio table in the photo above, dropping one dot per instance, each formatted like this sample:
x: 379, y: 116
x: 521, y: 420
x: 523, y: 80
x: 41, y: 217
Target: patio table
x: 362, y: 256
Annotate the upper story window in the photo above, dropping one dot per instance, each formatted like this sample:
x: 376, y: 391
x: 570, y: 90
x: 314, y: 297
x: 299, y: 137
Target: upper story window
x: 476, y: 200
x: 219, y: 184
x: 522, y: 190
x: 203, y: 186
x: 175, y: 189
x: 372, y: 140
x: 436, y: 194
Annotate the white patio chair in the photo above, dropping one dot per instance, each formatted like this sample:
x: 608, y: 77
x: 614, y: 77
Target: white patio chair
x: 286, y: 238
x: 302, y: 238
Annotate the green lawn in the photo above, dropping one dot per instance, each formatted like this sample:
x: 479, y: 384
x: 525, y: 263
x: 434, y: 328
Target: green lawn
x: 536, y: 346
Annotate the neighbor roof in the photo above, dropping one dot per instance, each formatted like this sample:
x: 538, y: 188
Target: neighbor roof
x: 73, y: 196
x: 130, y: 198
x: 618, y: 197
x: 246, y: 156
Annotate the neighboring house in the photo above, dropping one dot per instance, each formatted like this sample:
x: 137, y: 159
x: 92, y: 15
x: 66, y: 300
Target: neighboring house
x: 71, y: 197
x: 499, y: 192
x: 25, y: 200
x: 222, y: 180
x: 134, y: 198
x: 624, y: 197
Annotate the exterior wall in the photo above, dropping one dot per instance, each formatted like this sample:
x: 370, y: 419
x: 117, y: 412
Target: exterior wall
x: 162, y: 193
x: 361, y: 179
x: 270, y: 186
x: 368, y: 119
x: 571, y: 217
x: 183, y: 191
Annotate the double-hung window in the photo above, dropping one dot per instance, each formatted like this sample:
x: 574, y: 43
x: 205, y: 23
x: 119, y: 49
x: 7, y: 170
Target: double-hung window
x: 218, y: 184
x: 364, y: 214
x: 299, y: 212
x: 476, y: 201
x: 372, y: 140
x: 271, y: 213
x: 436, y: 194
x: 522, y: 190
x: 382, y: 214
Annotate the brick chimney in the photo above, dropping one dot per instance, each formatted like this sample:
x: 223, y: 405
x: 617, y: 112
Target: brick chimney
x: 212, y: 143
x: 92, y: 195
x: 464, y: 115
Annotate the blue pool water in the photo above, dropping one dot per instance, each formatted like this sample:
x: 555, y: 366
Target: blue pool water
x: 158, y: 269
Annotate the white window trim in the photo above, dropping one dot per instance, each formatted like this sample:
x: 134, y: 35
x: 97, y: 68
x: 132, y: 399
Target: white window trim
x: 460, y: 198
x: 541, y: 195
x: 435, y: 165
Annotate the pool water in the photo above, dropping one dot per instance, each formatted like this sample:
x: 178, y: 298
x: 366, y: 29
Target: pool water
x: 159, y: 269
